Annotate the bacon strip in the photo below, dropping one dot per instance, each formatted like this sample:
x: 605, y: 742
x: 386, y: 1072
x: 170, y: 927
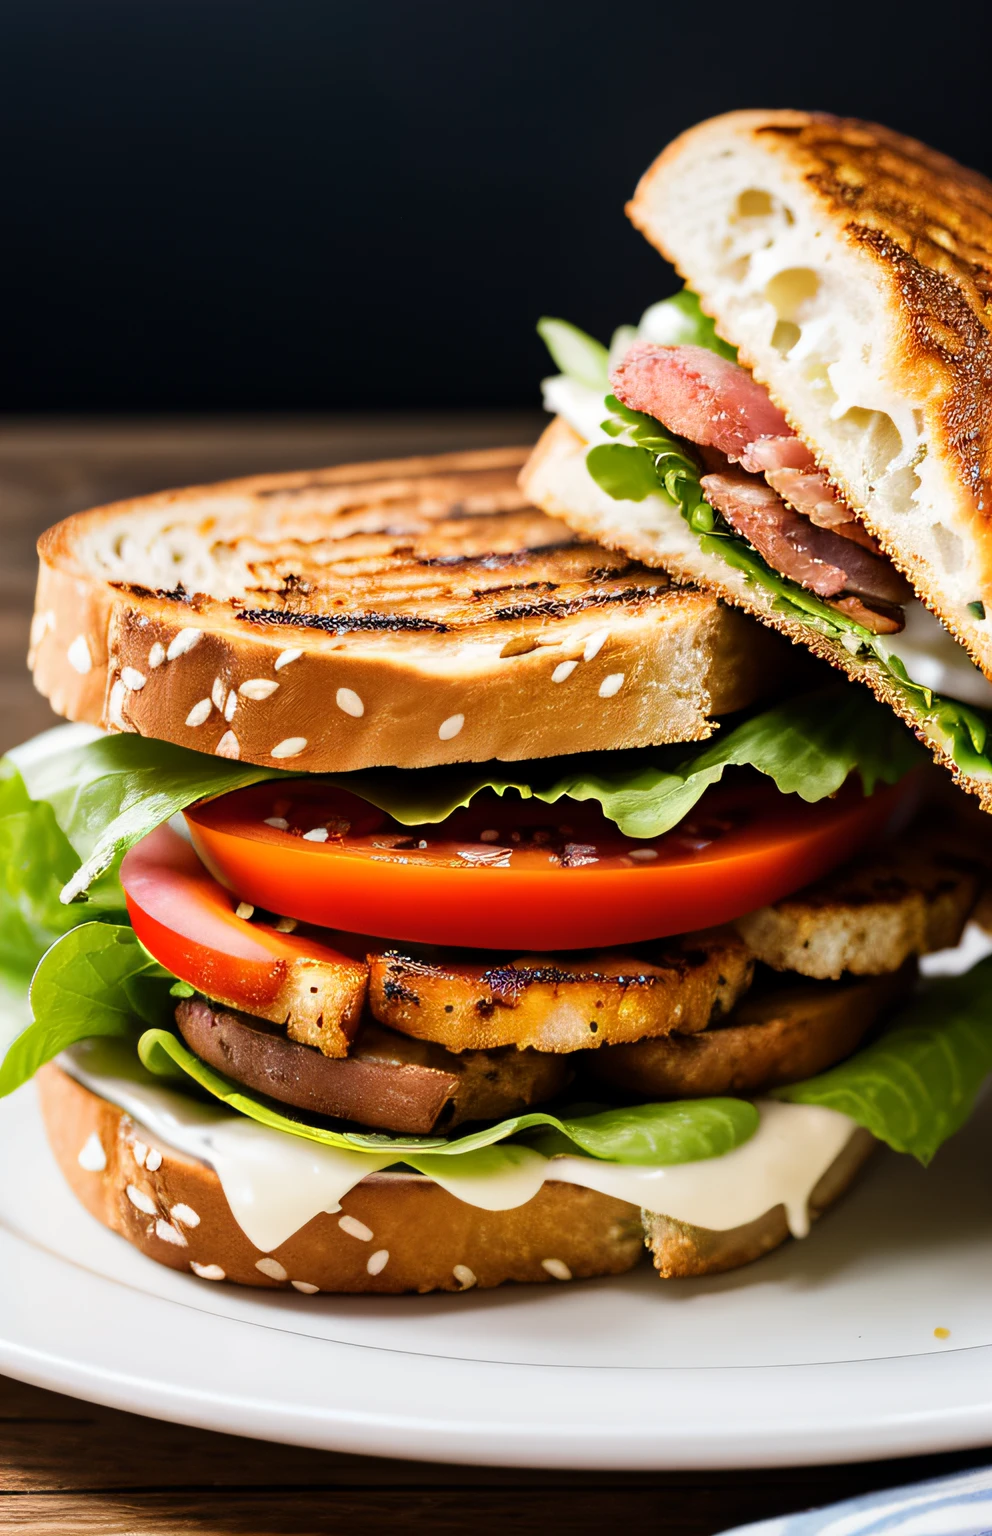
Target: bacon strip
x: 822, y: 561
x: 717, y: 404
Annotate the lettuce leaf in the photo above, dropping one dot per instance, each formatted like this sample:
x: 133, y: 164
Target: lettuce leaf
x: 96, y: 980
x: 575, y: 353
x: 105, y: 795
x: 917, y: 1083
x: 654, y: 1134
x: 35, y: 861
x: 679, y: 321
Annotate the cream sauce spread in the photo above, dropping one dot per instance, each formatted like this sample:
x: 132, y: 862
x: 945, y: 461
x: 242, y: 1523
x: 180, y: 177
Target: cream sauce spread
x: 275, y: 1183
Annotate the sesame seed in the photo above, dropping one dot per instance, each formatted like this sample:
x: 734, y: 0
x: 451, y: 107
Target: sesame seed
x: 272, y: 1268
x: 490, y: 835
x: 286, y: 925
x: 378, y: 1261
x: 279, y: 822
x: 140, y: 1200
x: 316, y: 835
x: 169, y: 1234
x: 218, y: 693
x: 258, y: 688
x: 228, y: 746
x: 285, y: 657
x: 355, y: 1228
x: 185, y: 1215
x: 449, y: 728
x: 133, y: 679
x: 348, y: 700
x: 244, y: 910
x: 207, y: 1271
x: 91, y: 1156
x: 156, y: 655
x: 594, y: 644
x: 557, y: 1269
x: 466, y: 1277
x: 79, y: 657
x: 115, y: 705
x: 199, y: 713
x: 563, y: 671
x: 611, y: 685
x: 154, y: 1160
x: 140, y: 1152
x: 182, y: 642
x: 292, y: 746
x: 230, y: 706
x: 305, y: 1287
x: 644, y: 854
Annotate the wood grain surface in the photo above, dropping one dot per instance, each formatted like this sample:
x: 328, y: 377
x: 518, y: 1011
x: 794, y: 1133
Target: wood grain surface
x: 67, y: 1467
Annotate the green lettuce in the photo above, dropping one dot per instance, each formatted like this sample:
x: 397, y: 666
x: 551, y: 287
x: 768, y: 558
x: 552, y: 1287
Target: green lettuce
x: 917, y: 1083
x: 95, y: 980
x: 655, y: 1134
x: 685, y: 324
x: 101, y: 797
x: 575, y: 353
x: 645, y: 459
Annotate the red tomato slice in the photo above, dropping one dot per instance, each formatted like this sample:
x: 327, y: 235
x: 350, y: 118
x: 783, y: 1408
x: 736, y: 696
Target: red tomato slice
x: 190, y: 924
x: 520, y: 875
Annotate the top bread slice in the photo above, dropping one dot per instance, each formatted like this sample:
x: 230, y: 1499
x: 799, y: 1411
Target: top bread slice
x: 852, y: 267
x: 404, y: 613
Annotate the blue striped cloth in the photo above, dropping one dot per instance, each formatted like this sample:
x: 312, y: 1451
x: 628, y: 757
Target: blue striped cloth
x: 960, y: 1505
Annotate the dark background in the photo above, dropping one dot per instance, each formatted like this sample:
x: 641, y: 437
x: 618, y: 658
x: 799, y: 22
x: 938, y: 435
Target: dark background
x: 226, y: 205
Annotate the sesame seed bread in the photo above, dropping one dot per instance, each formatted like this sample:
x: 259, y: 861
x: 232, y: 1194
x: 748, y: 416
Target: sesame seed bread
x: 420, y: 1238
x: 852, y: 267
x: 405, y: 613
x: 555, y: 478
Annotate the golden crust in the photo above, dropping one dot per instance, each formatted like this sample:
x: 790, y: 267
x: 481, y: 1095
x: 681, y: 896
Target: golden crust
x: 409, y: 613
x: 925, y: 224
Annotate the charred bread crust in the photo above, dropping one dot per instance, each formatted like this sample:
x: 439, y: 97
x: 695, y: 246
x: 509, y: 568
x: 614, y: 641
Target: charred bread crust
x: 682, y: 1252
x: 555, y: 478
x: 430, y: 1240
x: 910, y: 231
x: 404, y: 613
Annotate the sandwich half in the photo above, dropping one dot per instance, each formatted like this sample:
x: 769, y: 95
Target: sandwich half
x: 427, y: 898
x: 835, y: 427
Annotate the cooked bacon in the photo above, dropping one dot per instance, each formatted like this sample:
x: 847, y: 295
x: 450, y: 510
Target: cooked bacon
x: 698, y: 395
x: 881, y: 620
x: 811, y: 493
x: 717, y: 404
x: 817, y: 558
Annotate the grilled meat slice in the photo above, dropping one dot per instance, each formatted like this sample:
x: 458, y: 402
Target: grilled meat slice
x: 561, y: 1003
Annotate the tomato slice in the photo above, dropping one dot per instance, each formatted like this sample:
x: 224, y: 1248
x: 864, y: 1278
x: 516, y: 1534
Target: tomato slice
x: 520, y: 875
x: 191, y: 925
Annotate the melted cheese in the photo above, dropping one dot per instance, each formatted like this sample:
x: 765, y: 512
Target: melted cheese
x: 275, y: 1183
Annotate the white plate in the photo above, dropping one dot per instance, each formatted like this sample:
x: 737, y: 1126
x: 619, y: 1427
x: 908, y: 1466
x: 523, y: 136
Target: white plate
x: 824, y: 1351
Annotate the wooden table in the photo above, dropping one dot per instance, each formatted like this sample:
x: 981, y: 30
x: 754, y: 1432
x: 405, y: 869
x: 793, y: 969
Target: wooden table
x: 67, y: 1467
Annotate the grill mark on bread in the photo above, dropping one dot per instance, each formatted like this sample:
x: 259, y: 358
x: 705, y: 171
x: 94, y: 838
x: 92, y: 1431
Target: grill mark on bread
x: 342, y: 623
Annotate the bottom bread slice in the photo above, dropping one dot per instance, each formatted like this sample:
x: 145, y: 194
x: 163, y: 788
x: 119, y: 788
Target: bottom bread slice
x: 395, y: 1232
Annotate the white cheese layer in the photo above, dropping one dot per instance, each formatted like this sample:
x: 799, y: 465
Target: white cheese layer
x: 275, y: 1183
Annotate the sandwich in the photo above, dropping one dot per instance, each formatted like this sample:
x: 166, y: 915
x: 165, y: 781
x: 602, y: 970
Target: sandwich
x: 424, y: 897
x: 805, y: 430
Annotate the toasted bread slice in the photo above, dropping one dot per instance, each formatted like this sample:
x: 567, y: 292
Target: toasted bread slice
x: 773, y: 1037
x: 405, y: 613
x: 682, y: 1252
x: 562, y: 1003
x: 421, y: 1237
x: 910, y: 898
x: 852, y: 268
x: 654, y: 531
